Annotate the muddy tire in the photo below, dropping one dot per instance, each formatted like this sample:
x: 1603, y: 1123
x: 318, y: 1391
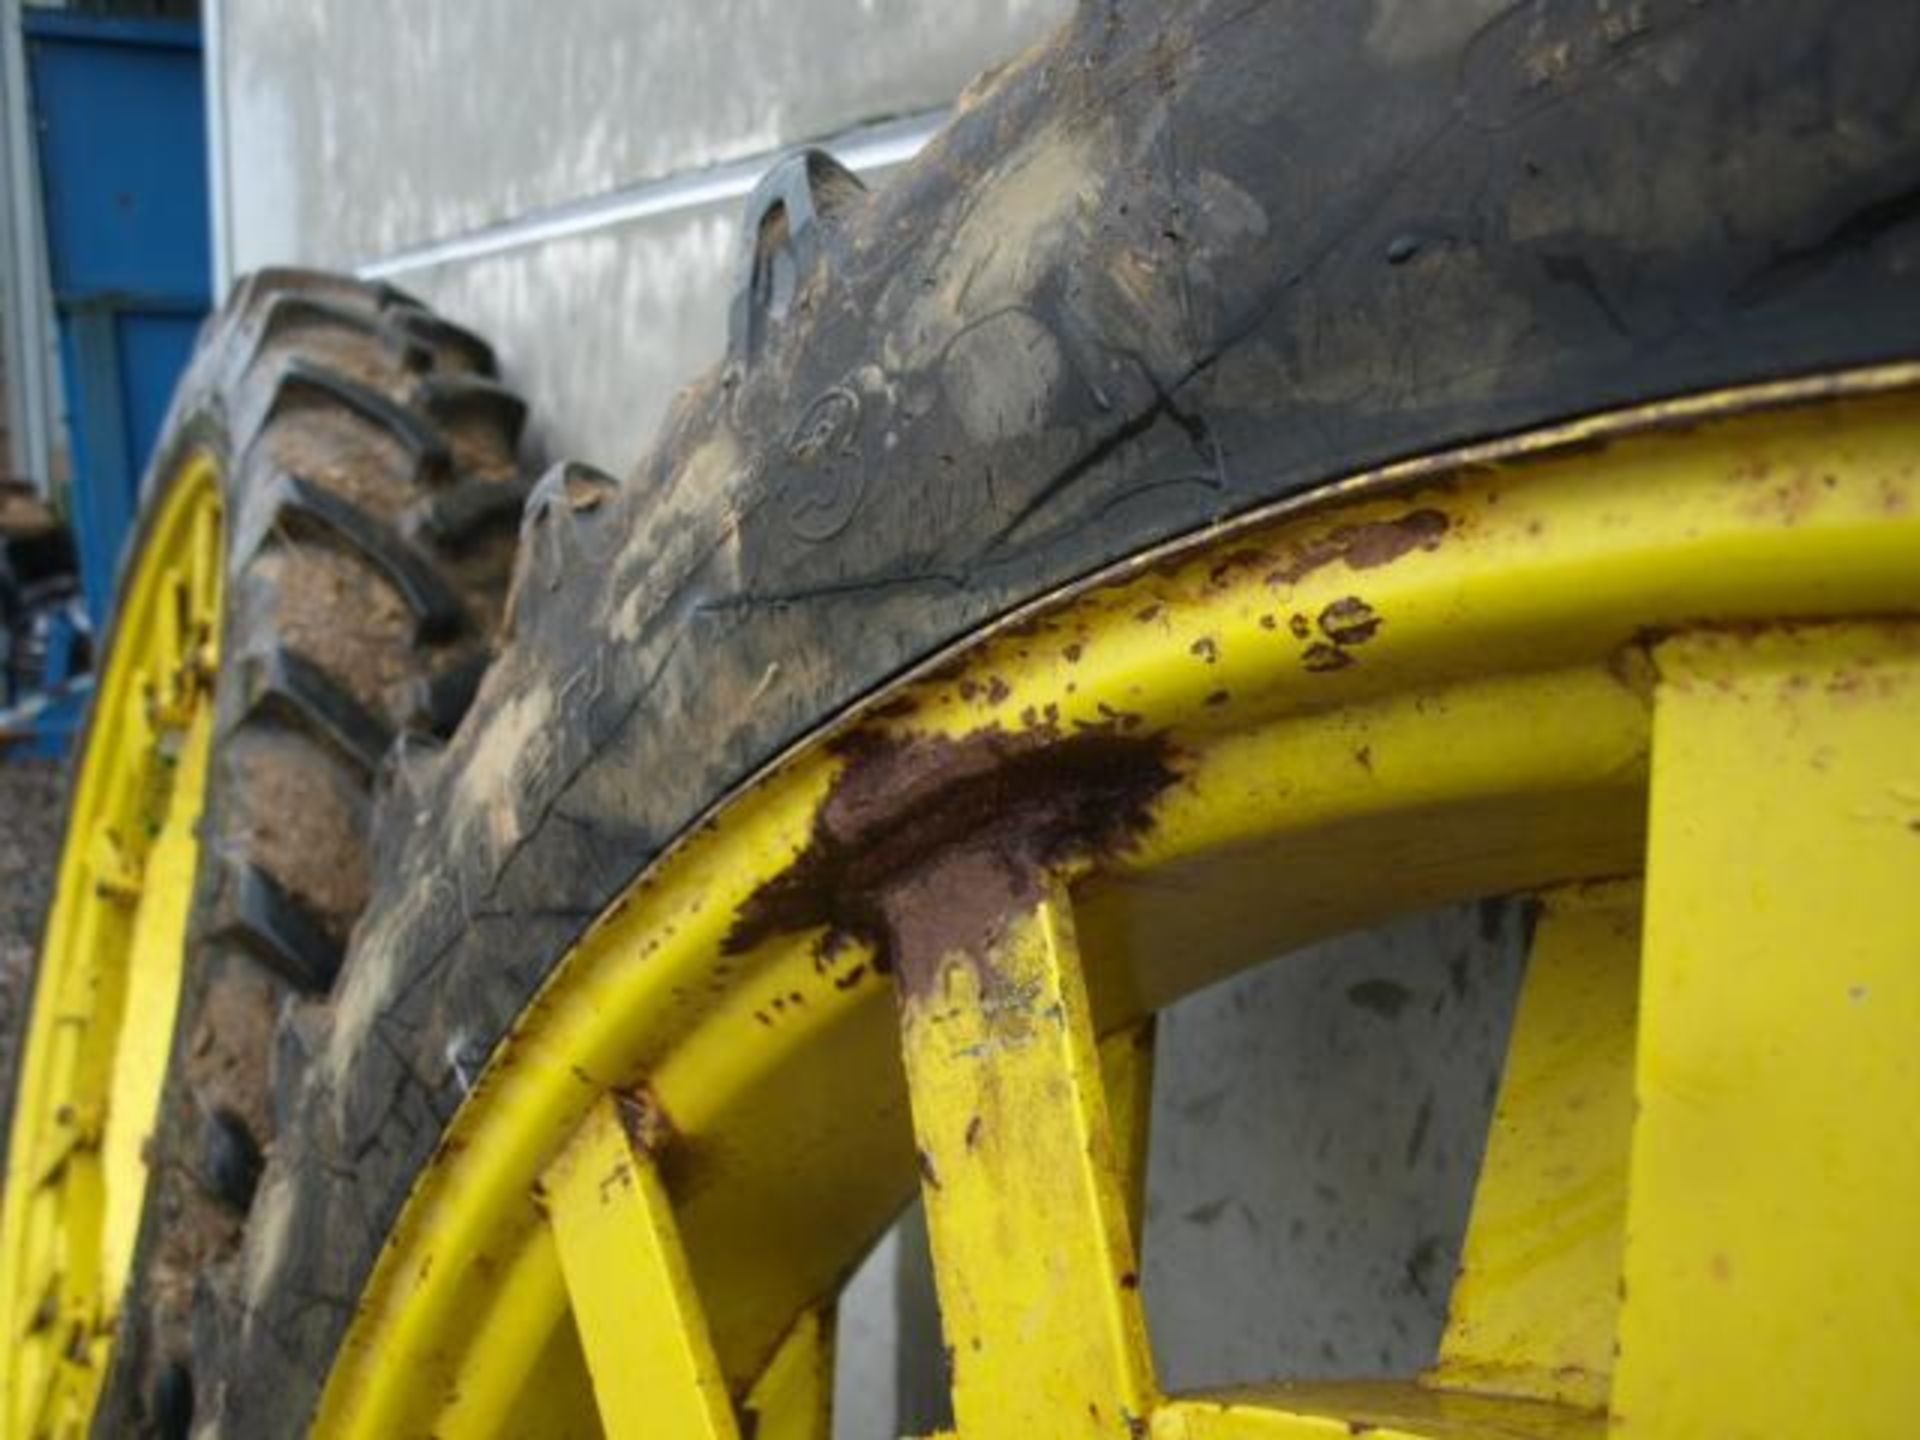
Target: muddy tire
x: 370, y: 487
x: 1154, y: 277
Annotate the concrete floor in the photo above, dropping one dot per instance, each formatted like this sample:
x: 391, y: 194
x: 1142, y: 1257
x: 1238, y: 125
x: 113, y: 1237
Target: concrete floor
x: 32, y: 803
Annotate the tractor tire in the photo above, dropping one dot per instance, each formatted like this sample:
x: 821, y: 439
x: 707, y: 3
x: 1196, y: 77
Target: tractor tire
x: 1152, y: 277
x: 369, y: 486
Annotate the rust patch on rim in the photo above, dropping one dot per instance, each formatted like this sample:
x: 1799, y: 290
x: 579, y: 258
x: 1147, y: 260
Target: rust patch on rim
x: 1366, y: 546
x: 648, y: 1126
x: 927, y: 844
x: 1349, y: 621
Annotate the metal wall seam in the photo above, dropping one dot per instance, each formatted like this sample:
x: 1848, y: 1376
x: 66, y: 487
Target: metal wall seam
x: 861, y: 148
x: 31, y: 400
x: 220, y: 216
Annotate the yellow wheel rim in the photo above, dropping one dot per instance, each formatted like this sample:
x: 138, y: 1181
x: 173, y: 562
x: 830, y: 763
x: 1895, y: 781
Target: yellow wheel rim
x: 108, y: 984
x: 1662, y: 668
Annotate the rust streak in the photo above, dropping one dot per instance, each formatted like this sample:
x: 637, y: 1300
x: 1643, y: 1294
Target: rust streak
x: 927, y: 844
x: 1365, y: 546
x: 1321, y: 658
x: 649, y: 1128
x: 1349, y: 621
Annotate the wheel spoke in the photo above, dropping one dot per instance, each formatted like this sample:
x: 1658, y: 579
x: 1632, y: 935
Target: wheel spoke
x: 508, y: 1356
x: 1770, y: 1268
x: 1126, y: 1065
x: 149, y: 999
x: 204, y: 565
x: 1025, y: 1196
x: 793, y: 1398
x: 1379, y: 1409
x: 640, y: 1321
x: 1535, y: 1302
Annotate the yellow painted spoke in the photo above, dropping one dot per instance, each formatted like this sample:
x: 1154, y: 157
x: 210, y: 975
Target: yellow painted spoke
x: 1126, y: 1064
x: 1772, y: 1271
x: 1039, y: 1291
x: 556, y: 1402
x: 1380, y: 1410
x: 150, y: 1000
x: 511, y: 1351
x: 1535, y: 1301
x: 793, y: 1399
x: 117, y: 873
x: 205, y: 565
x: 640, y: 1321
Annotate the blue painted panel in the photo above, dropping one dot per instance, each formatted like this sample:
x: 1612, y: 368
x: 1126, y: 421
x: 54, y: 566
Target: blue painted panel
x: 155, y: 348
x: 123, y: 136
x: 121, y: 128
x: 101, y: 504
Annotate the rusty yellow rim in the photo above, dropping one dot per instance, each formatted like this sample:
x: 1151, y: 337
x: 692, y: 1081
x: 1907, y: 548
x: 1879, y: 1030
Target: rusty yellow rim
x: 109, y: 975
x: 1661, y: 668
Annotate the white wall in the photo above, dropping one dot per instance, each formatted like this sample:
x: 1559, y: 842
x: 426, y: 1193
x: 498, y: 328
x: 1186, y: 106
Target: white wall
x: 442, y: 144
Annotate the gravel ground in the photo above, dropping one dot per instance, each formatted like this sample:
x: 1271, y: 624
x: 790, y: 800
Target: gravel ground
x: 32, y: 798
